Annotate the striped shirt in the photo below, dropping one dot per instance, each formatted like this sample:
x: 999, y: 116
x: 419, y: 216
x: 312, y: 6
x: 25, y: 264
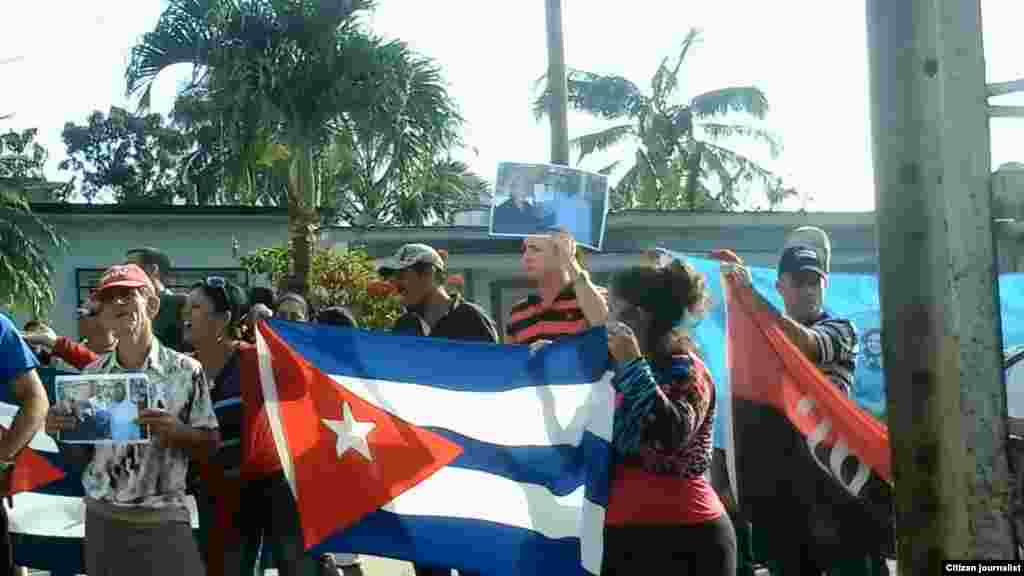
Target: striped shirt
x: 837, y: 350
x: 530, y: 320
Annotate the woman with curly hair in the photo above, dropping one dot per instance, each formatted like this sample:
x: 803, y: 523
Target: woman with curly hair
x: 663, y: 516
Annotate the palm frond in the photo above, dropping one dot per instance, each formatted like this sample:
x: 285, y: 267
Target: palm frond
x: 748, y: 172
x: 608, y: 97
x: 182, y: 36
x: 599, y: 141
x: 747, y: 99
x: 693, y: 36
x: 666, y: 80
x: 607, y: 170
x: 717, y: 131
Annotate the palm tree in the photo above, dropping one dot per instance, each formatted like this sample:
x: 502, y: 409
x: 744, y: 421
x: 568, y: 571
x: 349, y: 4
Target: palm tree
x: 680, y: 159
x: 298, y: 83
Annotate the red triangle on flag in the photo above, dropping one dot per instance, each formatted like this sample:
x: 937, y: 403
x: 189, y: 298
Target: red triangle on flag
x: 381, y: 455
x: 32, y: 470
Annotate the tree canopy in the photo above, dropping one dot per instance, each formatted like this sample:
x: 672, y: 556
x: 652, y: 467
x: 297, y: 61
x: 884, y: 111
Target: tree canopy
x: 682, y: 158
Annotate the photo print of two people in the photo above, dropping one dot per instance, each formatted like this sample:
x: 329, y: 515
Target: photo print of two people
x: 542, y: 198
x: 105, y: 407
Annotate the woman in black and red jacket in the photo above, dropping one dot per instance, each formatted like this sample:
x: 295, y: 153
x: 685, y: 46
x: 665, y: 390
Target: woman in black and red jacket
x: 663, y: 516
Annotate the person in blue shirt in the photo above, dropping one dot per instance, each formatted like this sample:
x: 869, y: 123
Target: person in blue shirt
x: 21, y: 386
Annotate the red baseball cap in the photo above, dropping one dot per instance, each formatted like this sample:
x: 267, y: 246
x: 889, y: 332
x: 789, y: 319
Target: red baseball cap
x: 123, y: 275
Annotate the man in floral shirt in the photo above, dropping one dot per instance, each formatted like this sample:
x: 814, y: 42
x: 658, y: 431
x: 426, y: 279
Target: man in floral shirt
x: 137, y: 519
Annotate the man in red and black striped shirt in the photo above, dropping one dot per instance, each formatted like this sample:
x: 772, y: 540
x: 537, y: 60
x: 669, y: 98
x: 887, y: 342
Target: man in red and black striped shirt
x: 565, y: 302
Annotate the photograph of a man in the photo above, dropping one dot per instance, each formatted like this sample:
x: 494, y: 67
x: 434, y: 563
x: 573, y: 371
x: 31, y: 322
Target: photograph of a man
x: 90, y: 411
x: 123, y: 413
x: 105, y: 408
x: 543, y: 199
x: 521, y: 213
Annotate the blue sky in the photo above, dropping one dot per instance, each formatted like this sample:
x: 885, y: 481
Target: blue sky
x: 809, y: 57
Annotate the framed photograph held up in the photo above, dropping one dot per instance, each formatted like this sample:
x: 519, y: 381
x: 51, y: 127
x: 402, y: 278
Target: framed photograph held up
x: 105, y: 407
x: 536, y: 199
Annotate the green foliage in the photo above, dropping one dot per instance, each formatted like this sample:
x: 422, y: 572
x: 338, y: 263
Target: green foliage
x: 291, y: 95
x: 338, y: 278
x: 25, y: 269
x: 134, y: 157
x: 681, y: 160
x: 299, y: 91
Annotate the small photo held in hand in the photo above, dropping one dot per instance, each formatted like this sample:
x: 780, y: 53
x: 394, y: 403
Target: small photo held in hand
x: 540, y: 199
x: 105, y: 407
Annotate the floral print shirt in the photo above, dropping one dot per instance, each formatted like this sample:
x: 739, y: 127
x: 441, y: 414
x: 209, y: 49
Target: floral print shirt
x: 151, y: 475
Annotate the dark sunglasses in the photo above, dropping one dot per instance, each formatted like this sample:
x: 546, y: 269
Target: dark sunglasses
x: 219, y: 284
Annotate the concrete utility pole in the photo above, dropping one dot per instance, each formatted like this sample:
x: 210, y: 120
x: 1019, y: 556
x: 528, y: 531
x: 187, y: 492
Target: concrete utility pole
x: 940, y: 314
x: 559, y: 110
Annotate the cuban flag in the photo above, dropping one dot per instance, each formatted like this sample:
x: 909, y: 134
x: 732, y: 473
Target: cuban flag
x: 456, y: 454
x: 47, y: 518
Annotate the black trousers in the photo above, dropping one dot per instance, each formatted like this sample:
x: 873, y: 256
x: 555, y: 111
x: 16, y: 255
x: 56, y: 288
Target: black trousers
x: 705, y: 549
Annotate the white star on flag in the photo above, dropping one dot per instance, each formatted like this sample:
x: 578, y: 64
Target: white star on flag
x: 351, y: 433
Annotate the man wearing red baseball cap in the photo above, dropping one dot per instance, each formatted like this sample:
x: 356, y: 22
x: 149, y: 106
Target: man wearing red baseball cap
x: 137, y: 520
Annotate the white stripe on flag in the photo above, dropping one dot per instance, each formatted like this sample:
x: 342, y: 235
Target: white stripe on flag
x: 41, y: 442
x: 270, y: 401
x: 471, y: 494
x: 56, y: 516
x: 47, y: 515
x: 533, y: 416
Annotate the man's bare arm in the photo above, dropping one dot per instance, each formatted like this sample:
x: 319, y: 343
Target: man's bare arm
x: 31, y: 396
x: 803, y: 337
x: 591, y: 301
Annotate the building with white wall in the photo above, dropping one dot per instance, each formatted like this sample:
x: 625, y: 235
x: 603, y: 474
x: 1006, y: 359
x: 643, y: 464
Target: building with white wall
x: 208, y: 240
x: 200, y: 241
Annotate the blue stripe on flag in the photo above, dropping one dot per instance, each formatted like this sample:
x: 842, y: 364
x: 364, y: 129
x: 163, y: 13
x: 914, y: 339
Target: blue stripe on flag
x: 560, y: 469
x: 55, y: 555
x: 438, y: 541
x: 489, y: 368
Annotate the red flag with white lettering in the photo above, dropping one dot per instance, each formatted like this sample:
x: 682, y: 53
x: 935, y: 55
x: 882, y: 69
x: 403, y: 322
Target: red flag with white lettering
x: 804, y: 451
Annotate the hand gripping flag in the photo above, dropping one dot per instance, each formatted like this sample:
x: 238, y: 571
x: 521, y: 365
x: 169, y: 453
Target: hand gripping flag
x: 468, y: 455
x: 805, y: 453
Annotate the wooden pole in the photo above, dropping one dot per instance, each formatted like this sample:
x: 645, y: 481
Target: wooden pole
x: 559, y: 110
x: 940, y: 314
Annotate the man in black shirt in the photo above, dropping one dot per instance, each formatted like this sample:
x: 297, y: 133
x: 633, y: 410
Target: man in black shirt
x: 519, y: 214
x: 418, y: 271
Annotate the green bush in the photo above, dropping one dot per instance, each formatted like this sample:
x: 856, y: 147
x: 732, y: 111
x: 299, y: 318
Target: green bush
x: 339, y: 278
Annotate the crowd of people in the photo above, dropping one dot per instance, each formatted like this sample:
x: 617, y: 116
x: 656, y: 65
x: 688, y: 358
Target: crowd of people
x: 665, y: 514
